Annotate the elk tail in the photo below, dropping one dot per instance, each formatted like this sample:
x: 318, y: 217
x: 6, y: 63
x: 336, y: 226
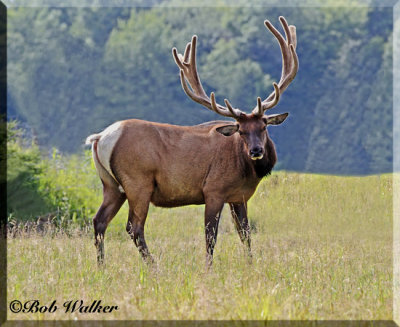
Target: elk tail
x: 92, y: 138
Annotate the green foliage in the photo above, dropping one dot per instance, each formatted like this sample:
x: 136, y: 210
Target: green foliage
x: 71, y: 185
x: 61, y: 188
x: 24, y: 166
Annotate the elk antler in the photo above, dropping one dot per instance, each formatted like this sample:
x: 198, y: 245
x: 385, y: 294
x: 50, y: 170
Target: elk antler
x: 290, y: 65
x: 188, y: 71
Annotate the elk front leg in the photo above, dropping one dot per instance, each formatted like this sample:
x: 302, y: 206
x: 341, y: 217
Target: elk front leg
x: 212, y: 215
x: 239, y: 215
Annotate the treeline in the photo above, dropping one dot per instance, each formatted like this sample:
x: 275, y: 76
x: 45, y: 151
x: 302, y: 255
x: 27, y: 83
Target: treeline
x: 73, y: 71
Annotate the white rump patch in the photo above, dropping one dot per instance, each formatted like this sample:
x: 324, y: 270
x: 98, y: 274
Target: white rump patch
x: 105, y: 146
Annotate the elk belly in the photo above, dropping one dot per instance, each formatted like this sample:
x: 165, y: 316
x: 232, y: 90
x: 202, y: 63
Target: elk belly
x: 169, y: 196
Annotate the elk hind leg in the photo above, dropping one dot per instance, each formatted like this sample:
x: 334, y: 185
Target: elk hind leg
x: 112, y: 202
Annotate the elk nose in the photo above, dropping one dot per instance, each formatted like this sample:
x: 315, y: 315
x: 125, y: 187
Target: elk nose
x: 256, y: 152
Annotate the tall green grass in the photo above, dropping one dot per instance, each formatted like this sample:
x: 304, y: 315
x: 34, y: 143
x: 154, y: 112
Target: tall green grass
x: 322, y: 249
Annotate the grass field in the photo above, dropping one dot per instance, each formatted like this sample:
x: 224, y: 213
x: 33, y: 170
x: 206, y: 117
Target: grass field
x: 322, y: 249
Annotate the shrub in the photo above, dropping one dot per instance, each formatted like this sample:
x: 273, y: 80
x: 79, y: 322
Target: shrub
x: 70, y: 185
x: 24, y: 168
x: 63, y: 188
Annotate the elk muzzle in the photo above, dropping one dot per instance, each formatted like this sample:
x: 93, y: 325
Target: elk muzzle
x: 256, y: 153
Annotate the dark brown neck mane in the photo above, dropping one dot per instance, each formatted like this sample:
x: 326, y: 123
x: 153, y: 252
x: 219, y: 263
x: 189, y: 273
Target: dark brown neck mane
x: 263, y: 167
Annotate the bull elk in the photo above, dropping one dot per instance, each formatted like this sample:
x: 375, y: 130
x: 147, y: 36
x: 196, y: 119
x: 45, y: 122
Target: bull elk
x: 212, y: 163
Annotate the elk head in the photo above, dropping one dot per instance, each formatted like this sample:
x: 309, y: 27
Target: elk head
x: 251, y: 127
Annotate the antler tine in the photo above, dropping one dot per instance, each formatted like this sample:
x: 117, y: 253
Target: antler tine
x: 187, y: 52
x: 290, y: 63
x: 260, y: 111
x: 276, y: 33
x: 262, y: 106
x: 235, y: 112
x: 217, y: 108
x: 190, y: 77
x: 193, y: 52
x: 286, y: 61
x: 292, y: 29
x: 295, y: 68
x: 188, y: 91
x: 286, y: 29
x: 176, y: 58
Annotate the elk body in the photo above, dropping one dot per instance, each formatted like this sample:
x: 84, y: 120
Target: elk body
x: 212, y: 163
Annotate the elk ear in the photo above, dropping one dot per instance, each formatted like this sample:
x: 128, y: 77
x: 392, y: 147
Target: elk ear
x: 228, y: 130
x: 275, y: 119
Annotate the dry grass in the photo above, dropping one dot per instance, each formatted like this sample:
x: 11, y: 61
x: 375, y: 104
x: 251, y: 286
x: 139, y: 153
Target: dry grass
x: 322, y: 249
